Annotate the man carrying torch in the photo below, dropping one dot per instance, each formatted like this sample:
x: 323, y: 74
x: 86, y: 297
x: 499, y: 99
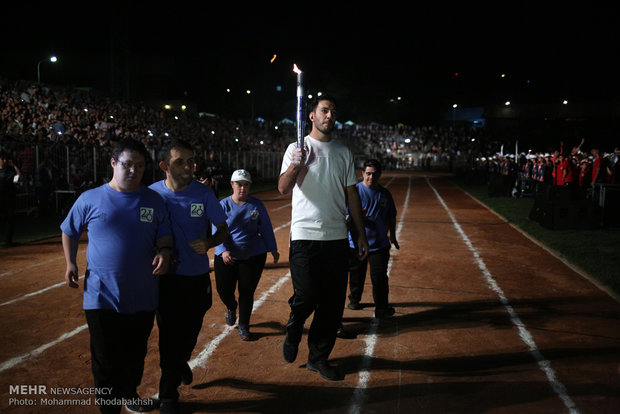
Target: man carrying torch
x: 320, y: 173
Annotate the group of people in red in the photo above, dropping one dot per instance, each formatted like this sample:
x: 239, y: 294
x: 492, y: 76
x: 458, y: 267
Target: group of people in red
x: 574, y: 170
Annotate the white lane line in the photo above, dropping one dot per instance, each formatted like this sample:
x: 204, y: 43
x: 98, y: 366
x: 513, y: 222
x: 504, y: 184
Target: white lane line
x: 201, y: 359
x: 21, y: 269
x: 281, y: 207
x: 27, y: 295
x: 543, y: 363
x: 18, y: 360
x: 282, y: 226
x: 209, y: 348
x: 370, y: 340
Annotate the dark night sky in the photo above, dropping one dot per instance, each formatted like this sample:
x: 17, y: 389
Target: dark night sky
x: 364, y: 55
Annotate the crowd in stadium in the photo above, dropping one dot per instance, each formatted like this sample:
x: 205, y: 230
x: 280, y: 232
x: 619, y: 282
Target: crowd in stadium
x: 37, y: 114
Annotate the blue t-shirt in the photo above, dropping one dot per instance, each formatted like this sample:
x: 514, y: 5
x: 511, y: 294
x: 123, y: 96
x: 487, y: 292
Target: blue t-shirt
x: 122, y: 232
x: 377, y: 210
x: 191, y: 213
x: 250, y: 229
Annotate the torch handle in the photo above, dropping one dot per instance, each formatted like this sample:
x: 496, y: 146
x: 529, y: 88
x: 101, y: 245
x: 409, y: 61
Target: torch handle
x: 300, y: 117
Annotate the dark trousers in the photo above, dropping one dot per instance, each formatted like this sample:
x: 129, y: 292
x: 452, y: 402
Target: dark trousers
x: 242, y: 273
x: 319, y: 275
x: 378, y: 261
x: 183, y: 302
x: 118, y: 346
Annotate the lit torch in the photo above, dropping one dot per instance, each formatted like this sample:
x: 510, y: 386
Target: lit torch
x: 300, y: 119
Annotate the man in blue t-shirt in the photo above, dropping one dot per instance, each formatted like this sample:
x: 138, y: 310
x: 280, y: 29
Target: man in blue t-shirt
x: 185, y: 291
x: 129, y: 246
x: 379, y: 223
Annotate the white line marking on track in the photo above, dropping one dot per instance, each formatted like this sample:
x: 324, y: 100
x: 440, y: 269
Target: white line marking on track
x: 207, y: 351
x: 370, y: 340
x: 21, y: 269
x: 27, y: 295
x: 204, y: 355
x: 18, y: 360
x: 525, y: 335
x: 281, y: 207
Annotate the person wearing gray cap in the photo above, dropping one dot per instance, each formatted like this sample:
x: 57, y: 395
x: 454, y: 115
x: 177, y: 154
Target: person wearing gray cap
x: 240, y: 259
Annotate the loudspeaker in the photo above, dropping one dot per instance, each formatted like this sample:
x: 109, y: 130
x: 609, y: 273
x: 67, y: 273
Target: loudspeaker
x: 562, y: 215
x: 610, y: 211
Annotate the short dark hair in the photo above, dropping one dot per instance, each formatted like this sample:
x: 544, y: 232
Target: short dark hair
x: 174, y: 143
x: 129, y: 144
x: 373, y: 163
x: 314, y: 102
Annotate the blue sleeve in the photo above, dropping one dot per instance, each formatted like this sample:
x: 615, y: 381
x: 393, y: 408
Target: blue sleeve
x: 74, y: 223
x: 392, y: 206
x: 225, y: 245
x: 164, y: 227
x: 215, y: 212
x: 265, y: 228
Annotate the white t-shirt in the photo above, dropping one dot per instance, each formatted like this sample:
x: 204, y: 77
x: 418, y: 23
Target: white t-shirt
x: 319, y: 203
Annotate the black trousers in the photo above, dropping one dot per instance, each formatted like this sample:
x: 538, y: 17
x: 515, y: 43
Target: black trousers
x: 118, y: 346
x: 183, y: 302
x: 378, y: 261
x: 243, y: 273
x: 319, y: 275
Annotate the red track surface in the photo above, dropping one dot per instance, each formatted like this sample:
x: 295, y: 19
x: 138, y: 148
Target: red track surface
x: 486, y: 322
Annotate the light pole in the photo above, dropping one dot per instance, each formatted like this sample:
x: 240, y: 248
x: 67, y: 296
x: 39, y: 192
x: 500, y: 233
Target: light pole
x: 52, y: 59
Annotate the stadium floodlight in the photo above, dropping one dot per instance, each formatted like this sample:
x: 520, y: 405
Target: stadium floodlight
x: 52, y: 59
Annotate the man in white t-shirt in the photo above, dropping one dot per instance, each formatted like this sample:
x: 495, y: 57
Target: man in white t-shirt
x: 321, y: 176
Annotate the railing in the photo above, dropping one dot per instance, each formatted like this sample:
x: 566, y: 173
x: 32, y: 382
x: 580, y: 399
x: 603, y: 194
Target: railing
x: 74, y: 168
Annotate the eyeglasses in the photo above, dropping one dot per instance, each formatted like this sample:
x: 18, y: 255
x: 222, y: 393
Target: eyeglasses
x: 129, y: 165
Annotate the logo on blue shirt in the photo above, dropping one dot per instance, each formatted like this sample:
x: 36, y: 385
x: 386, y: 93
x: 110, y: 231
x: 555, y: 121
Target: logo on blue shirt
x: 146, y: 214
x: 197, y: 210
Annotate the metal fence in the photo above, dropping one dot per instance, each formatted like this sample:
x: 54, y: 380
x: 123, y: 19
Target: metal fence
x: 76, y: 168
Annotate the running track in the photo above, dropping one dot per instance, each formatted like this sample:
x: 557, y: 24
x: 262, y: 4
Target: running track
x: 486, y: 321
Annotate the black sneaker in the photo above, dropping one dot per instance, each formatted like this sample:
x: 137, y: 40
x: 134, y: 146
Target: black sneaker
x: 231, y: 317
x: 186, y: 375
x: 345, y: 334
x: 140, y: 405
x: 325, y: 370
x: 354, y: 306
x: 384, y: 312
x: 289, y: 350
x: 244, y: 333
x: 169, y: 406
